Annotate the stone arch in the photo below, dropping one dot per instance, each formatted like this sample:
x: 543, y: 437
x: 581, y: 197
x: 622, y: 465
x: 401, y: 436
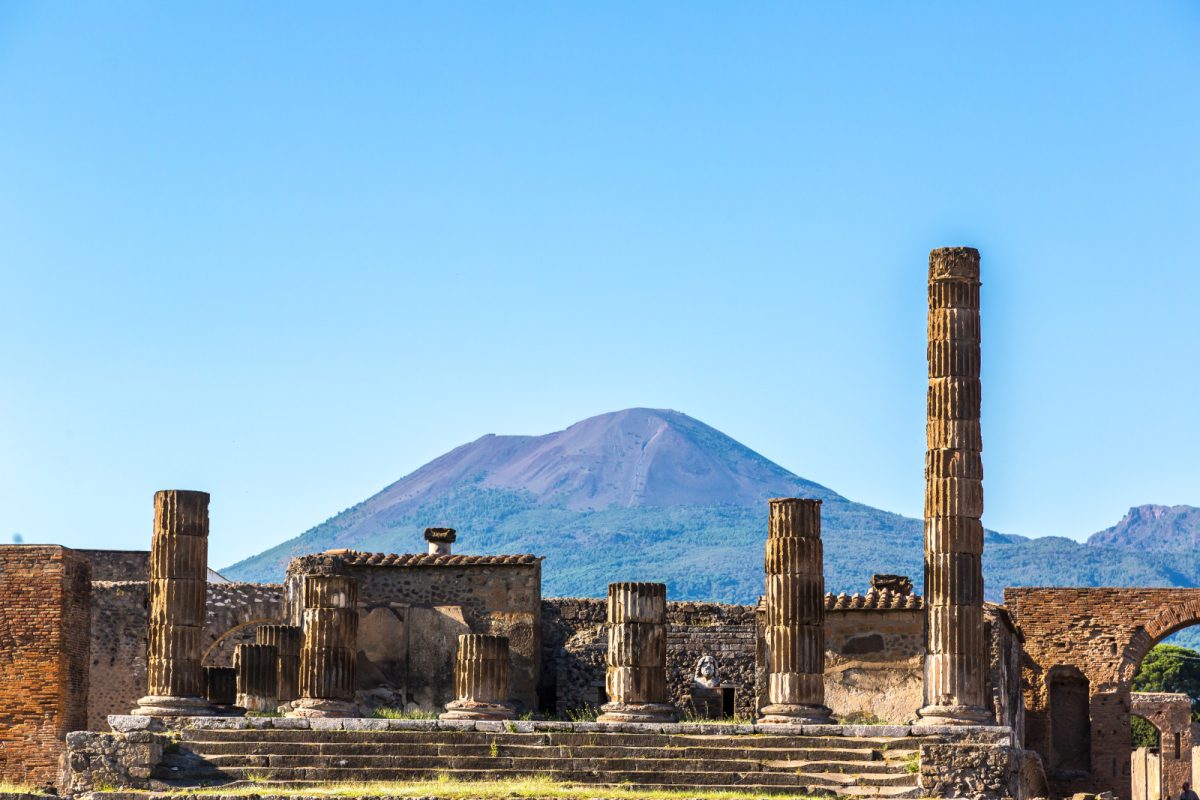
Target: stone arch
x: 234, y: 607
x: 1171, y: 619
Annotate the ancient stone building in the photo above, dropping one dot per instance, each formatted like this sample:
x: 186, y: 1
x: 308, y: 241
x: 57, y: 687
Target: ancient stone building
x: 1082, y: 648
x: 413, y: 608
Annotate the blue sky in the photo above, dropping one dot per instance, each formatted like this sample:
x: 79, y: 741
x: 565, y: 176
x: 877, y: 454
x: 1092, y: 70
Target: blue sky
x: 288, y: 253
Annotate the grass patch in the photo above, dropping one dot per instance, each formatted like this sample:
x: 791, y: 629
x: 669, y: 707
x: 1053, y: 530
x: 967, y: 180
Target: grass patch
x: 400, y: 713
x: 690, y: 716
x: 20, y: 788
x: 912, y: 764
x: 448, y: 788
x: 585, y: 714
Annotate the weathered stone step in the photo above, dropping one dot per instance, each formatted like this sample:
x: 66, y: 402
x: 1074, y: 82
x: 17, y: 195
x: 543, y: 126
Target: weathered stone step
x: 313, y: 749
x: 528, y: 765
x: 546, y: 738
x: 636, y: 777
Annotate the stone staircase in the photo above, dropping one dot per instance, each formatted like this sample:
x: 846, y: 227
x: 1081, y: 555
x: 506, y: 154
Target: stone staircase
x: 853, y: 766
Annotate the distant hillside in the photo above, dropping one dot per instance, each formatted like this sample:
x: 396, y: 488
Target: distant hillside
x: 647, y: 494
x: 1171, y: 528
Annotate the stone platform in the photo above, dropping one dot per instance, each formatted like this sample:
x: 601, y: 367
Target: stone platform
x: 853, y: 761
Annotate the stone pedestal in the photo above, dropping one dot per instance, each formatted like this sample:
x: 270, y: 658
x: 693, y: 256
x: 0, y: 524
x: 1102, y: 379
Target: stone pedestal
x: 480, y: 679
x: 178, y: 592
x: 329, y: 654
x: 795, y: 615
x: 287, y: 641
x: 257, y: 667
x: 220, y: 685
x: 956, y: 662
x: 636, y: 674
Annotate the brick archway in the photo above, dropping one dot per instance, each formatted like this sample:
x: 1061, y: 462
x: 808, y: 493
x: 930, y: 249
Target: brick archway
x: 1104, y: 633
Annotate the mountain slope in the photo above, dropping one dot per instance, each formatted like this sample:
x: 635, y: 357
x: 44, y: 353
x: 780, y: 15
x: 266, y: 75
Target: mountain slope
x: 647, y: 494
x: 1169, y: 528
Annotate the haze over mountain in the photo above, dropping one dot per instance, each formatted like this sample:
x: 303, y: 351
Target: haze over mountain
x: 645, y: 494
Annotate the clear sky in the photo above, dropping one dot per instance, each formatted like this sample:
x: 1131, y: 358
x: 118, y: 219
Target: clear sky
x: 288, y: 253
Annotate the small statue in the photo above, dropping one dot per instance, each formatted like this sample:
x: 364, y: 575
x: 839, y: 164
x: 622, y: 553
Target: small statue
x: 704, y: 702
x: 707, y: 674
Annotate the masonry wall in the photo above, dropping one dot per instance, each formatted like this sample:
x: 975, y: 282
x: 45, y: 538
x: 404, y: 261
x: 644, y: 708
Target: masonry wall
x: 873, y: 664
x: 574, y: 645
x: 119, y: 618
x: 44, y: 618
x: 118, y: 565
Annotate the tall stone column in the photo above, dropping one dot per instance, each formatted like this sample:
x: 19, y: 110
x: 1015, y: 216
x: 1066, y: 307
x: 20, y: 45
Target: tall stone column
x: 636, y: 674
x: 287, y: 641
x: 178, y: 592
x: 480, y: 679
x: 795, y: 614
x: 955, y: 664
x: 257, y: 667
x: 330, y: 651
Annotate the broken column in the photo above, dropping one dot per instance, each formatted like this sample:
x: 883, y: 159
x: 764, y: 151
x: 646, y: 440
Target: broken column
x: 178, y: 589
x: 955, y: 661
x: 440, y: 540
x: 480, y: 679
x: 286, y: 640
x: 330, y: 650
x: 220, y: 685
x: 257, y: 667
x: 636, y: 674
x: 795, y: 614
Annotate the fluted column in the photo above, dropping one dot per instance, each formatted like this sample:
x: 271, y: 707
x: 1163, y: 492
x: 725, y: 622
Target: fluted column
x: 257, y: 667
x: 287, y: 641
x: 330, y: 650
x: 954, y: 661
x: 795, y: 614
x: 480, y: 679
x: 178, y: 589
x: 636, y: 674
x: 220, y: 685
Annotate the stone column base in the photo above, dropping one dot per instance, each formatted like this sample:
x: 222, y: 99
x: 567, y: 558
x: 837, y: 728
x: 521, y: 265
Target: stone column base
x: 257, y: 703
x: 468, y: 709
x: 312, y: 707
x: 955, y: 715
x: 164, y: 706
x: 795, y: 714
x: 638, y: 712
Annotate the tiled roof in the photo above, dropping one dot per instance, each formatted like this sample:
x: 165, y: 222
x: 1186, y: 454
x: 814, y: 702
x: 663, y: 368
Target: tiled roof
x: 873, y: 600
x: 354, y: 558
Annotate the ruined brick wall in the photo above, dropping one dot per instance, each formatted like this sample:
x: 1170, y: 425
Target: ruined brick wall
x: 118, y: 565
x: 119, y: 619
x: 1005, y: 645
x: 1101, y: 635
x: 1171, y: 714
x: 44, y: 618
x: 412, y: 608
x: 118, y: 648
x: 574, y: 644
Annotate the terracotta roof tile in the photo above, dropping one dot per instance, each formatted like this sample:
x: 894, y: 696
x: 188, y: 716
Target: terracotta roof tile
x: 354, y: 558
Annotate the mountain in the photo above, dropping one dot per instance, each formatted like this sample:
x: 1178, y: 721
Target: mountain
x: 646, y: 494
x: 1170, y: 528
